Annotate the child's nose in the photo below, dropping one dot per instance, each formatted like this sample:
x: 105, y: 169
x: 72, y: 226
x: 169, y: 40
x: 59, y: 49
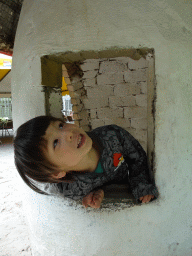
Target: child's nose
x: 69, y: 135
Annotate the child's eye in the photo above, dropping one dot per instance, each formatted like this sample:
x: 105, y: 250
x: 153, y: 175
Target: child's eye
x: 55, y: 143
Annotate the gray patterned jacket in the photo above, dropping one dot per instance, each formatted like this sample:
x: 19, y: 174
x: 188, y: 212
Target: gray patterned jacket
x: 120, y: 154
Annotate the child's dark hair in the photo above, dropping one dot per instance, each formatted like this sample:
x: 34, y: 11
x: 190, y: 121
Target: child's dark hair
x: 29, y: 158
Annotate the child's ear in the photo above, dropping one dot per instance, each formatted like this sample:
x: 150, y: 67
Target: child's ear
x: 59, y: 175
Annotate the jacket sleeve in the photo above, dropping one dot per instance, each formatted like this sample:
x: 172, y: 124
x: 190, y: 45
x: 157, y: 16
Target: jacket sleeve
x: 82, y: 186
x: 136, y: 159
x: 74, y: 191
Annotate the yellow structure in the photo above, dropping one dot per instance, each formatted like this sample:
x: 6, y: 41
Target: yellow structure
x: 3, y: 73
x: 5, y: 66
x: 64, y: 87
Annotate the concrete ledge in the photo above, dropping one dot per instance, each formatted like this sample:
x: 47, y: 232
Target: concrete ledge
x: 117, y: 197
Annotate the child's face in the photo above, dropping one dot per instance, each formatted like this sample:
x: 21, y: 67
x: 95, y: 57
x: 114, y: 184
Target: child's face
x: 63, y: 147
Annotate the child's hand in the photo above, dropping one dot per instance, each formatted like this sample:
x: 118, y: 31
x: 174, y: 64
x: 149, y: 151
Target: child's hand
x: 146, y: 199
x: 93, y: 199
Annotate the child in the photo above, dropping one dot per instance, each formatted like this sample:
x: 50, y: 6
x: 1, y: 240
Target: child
x: 79, y: 163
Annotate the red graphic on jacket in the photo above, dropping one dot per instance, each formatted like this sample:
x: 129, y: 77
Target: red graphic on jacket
x: 117, y: 159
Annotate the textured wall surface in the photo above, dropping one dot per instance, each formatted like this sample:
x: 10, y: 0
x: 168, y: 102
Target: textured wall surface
x: 55, y: 102
x: 163, y: 227
x: 112, y: 91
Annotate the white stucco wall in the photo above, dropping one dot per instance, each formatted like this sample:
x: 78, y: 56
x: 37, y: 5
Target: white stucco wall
x: 163, y: 227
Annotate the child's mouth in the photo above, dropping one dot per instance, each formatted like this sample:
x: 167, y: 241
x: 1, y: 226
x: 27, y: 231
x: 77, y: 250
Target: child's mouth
x: 81, y: 141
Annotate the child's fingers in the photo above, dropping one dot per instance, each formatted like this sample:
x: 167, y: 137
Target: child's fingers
x: 87, y: 200
x: 149, y: 198
x: 85, y: 204
x: 96, y: 204
x: 98, y: 195
x: 97, y: 199
x: 93, y: 199
x: 146, y: 199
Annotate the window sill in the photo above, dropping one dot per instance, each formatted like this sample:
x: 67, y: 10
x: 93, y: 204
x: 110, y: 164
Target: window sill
x: 118, y: 196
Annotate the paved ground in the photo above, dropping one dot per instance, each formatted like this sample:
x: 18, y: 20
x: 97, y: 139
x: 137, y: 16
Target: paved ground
x: 14, y: 234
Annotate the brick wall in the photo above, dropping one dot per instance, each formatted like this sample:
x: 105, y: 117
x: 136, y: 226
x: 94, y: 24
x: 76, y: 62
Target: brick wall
x: 110, y: 91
